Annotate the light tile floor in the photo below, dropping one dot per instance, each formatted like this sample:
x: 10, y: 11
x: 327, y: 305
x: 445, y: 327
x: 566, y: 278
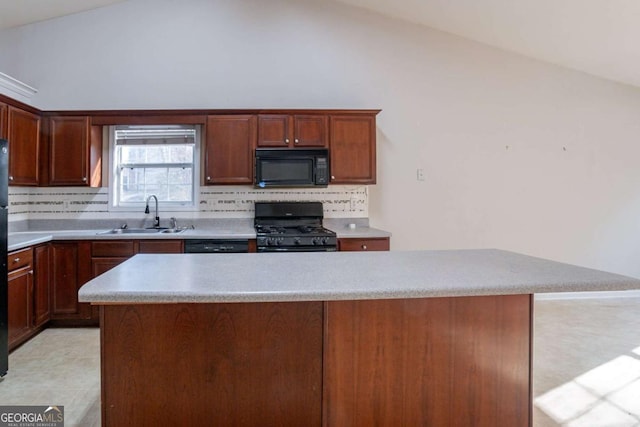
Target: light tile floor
x: 587, y: 363
x: 586, y: 367
x: 57, y: 367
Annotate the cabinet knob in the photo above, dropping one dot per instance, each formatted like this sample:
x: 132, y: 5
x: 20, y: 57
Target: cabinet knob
x: 84, y: 179
x: 296, y: 141
x: 333, y: 177
x: 16, y: 260
x: 286, y: 141
x: 31, y: 272
x: 364, y: 247
x: 10, y: 178
x: 208, y: 178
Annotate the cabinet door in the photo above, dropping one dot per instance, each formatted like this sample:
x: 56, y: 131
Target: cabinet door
x: 24, y: 147
x: 69, y: 153
x: 41, y: 292
x: 229, y: 149
x: 69, y: 272
x: 19, y: 304
x: 102, y: 265
x: 273, y: 130
x: 353, y: 149
x: 64, y: 258
x: 4, y: 109
x: 310, y: 131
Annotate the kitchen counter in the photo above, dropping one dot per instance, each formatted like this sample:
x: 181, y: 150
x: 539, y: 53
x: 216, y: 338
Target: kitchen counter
x: 340, y: 276
x: 226, y: 230
x: 325, y: 339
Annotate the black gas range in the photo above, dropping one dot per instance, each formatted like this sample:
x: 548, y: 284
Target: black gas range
x: 292, y: 227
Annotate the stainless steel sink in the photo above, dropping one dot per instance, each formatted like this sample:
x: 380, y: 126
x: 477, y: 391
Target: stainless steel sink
x: 172, y: 230
x: 141, y: 231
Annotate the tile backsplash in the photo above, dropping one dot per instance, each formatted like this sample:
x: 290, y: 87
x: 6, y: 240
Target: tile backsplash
x: 25, y: 203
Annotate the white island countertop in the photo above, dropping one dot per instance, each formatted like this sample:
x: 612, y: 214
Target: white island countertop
x: 262, y: 277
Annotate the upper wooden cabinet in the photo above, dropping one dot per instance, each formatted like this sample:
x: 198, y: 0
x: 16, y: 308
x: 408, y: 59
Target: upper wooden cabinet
x: 23, y: 133
x: 228, y: 149
x: 75, y: 150
x: 4, y: 109
x: 353, y: 149
x: 290, y: 131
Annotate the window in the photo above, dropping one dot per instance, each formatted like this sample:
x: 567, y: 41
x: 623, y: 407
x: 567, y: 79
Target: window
x: 154, y: 160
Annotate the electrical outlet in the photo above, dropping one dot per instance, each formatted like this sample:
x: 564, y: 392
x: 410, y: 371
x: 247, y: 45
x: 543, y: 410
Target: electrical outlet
x: 420, y: 174
x: 65, y: 204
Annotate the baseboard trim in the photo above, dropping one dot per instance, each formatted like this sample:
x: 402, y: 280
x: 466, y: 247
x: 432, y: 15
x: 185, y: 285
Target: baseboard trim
x: 587, y: 295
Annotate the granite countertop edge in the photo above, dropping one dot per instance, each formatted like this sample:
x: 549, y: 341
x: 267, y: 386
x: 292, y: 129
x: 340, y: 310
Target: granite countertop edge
x: 341, y: 276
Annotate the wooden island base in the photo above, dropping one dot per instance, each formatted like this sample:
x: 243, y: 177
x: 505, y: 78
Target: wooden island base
x: 463, y: 361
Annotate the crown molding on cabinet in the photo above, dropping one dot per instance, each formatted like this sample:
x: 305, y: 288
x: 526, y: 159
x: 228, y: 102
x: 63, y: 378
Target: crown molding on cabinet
x: 16, y: 86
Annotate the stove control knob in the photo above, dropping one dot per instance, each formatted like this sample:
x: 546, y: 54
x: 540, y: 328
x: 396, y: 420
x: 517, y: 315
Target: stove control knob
x: 296, y: 240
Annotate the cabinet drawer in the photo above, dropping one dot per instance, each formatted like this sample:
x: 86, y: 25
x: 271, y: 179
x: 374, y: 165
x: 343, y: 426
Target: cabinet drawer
x: 19, y: 259
x: 112, y: 248
x: 375, y: 244
x: 160, y: 246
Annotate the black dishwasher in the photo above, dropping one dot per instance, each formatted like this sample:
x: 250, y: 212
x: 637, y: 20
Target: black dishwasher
x: 215, y: 246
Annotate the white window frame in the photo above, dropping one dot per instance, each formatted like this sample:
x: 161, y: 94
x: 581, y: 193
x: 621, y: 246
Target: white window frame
x: 163, y: 206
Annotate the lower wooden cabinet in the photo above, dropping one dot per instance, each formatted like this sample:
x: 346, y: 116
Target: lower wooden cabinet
x: 41, y: 287
x: 71, y: 268
x: 20, y: 288
x: 29, y: 301
x: 106, y: 254
x: 368, y: 244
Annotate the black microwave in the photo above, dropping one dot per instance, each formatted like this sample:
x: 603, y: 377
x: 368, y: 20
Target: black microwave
x: 283, y: 167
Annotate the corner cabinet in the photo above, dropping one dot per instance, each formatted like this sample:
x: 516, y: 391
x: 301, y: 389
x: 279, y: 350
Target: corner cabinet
x: 352, y: 146
x: 71, y: 268
x: 74, y: 151
x: 41, y: 285
x: 23, y: 133
x: 228, y: 149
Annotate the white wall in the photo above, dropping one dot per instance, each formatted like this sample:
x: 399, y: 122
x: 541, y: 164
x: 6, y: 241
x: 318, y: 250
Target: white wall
x: 518, y: 154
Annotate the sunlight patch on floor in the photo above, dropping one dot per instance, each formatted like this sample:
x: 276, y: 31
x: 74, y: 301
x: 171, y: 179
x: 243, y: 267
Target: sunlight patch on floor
x: 608, y: 395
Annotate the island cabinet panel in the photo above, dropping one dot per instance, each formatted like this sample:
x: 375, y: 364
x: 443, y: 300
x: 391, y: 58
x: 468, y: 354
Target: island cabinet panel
x: 239, y: 364
x: 433, y: 362
x: 228, y: 152
x: 353, y: 149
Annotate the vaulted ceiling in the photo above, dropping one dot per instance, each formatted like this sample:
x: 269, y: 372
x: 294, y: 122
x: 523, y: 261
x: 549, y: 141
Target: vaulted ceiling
x: 598, y: 37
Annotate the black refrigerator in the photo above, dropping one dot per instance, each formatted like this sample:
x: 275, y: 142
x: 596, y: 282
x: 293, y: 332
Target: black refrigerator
x: 4, y: 289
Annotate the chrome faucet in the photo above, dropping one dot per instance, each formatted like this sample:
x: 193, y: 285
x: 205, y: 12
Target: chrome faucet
x: 156, y: 222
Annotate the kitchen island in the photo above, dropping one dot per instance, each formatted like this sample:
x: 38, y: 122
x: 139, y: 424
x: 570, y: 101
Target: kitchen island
x: 388, y: 338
